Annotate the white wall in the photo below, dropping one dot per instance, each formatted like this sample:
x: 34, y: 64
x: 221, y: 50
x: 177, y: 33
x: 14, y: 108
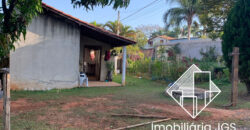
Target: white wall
x: 48, y: 58
x: 157, y: 41
x: 192, y: 48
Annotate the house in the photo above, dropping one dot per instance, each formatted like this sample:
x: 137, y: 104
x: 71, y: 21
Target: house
x: 158, y: 40
x: 188, y: 48
x: 57, y: 48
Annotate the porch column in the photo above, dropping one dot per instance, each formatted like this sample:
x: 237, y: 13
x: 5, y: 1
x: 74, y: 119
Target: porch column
x: 115, y: 62
x: 124, y: 59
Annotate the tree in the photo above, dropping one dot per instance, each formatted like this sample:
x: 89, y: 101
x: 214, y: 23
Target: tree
x: 14, y: 18
x: 149, y: 29
x: 186, y: 12
x: 128, y: 32
x: 141, y: 39
x: 213, y: 16
x: 97, y: 24
x: 236, y: 34
x: 196, y: 29
x: 124, y: 30
x: 90, y: 4
x: 209, y: 54
x: 112, y: 26
x: 158, y: 33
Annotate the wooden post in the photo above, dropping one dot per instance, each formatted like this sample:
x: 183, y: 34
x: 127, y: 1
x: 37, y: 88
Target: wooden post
x: 6, y: 100
x: 235, y: 70
x: 124, y: 59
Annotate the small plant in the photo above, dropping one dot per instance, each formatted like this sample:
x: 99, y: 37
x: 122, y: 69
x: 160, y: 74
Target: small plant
x: 110, y: 66
x: 209, y: 55
x: 214, y: 35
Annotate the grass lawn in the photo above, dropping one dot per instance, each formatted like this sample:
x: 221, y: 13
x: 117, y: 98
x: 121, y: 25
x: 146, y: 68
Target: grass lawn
x: 91, y: 108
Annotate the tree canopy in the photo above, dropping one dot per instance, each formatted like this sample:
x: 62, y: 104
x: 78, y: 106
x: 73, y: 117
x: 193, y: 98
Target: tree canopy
x: 213, y: 16
x: 15, y: 15
x: 236, y: 34
x: 90, y: 4
x: 186, y: 12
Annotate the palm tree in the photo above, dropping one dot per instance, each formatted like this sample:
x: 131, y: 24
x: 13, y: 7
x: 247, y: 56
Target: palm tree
x: 127, y: 31
x: 124, y: 30
x: 112, y: 26
x: 186, y: 12
x: 96, y: 24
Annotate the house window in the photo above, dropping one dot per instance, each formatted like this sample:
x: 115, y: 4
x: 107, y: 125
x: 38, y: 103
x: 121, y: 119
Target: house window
x: 150, y: 43
x: 161, y: 41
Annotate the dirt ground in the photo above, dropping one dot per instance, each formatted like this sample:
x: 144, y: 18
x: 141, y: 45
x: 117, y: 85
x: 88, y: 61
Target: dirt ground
x: 96, y: 112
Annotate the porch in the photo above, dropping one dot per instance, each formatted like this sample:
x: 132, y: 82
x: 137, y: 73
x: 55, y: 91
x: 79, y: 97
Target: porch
x: 103, y: 84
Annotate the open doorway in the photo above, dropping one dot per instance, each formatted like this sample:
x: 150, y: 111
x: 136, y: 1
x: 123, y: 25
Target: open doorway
x: 92, y: 62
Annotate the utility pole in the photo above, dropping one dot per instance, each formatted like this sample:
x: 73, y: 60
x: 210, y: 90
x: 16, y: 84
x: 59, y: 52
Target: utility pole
x: 118, y: 33
x: 124, y: 54
x: 118, y: 23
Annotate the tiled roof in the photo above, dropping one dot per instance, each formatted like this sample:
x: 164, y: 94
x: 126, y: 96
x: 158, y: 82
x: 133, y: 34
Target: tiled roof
x: 164, y: 37
x: 167, y: 37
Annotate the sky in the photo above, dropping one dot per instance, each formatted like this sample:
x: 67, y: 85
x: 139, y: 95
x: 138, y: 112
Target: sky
x: 152, y: 15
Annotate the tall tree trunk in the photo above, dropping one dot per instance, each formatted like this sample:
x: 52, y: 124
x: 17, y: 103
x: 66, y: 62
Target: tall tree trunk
x: 189, y: 30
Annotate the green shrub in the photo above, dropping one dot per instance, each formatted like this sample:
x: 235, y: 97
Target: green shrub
x: 171, y: 70
x: 237, y: 34
x: 209, y: 55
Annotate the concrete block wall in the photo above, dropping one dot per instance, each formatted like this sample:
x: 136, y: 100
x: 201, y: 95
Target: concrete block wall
x: 48, y: 58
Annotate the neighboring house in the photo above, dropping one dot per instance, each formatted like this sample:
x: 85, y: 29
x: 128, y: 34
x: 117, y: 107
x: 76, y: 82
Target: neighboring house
x: 189, y: 48
x: 159, y: 40
x: 57, y: 48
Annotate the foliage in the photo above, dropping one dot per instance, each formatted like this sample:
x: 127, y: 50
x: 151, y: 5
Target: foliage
x: 176, y: 48
x: 90, y: 4
x: 161, y: 53
x: 236, y: 34
x: 158, y: 33
x: 156, y: 69
x: 186, y: 12
x: 134, y: 51
x: 171, y: 68
x: 139, y: 67
x: 214, y: 35
x: 124, y: 30
x: 214, y: 14
x: 97, y: 24
x: 128, y: 32
x: 173, y: 52
x: 196, y: 29
x: 209, y: 54
x: 15, y: 15
x: 149, y: 29
x: 175, y: 32
x: 141, y: 39
x: 110, y: 65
